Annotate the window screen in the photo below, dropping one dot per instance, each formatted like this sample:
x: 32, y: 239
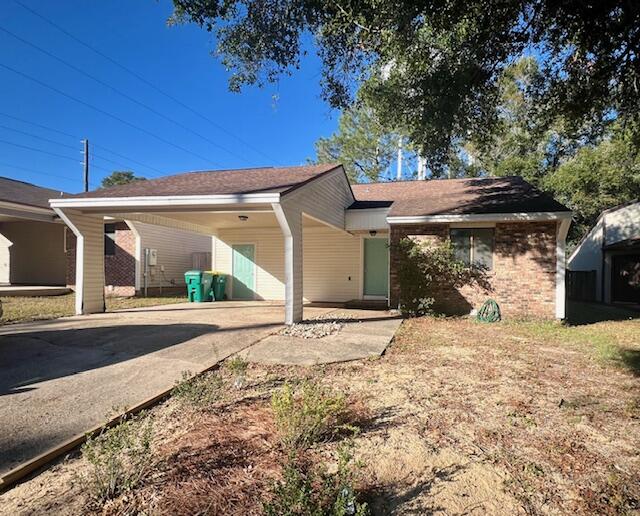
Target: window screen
x: 461, y: 241
x: 109, y: 239
x: 473, y: 246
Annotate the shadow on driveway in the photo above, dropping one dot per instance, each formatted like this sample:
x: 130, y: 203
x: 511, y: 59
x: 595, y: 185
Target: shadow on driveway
x: 28, y: 358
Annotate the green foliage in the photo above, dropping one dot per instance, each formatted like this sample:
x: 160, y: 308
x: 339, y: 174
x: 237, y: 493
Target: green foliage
x: 432, y: 68
x: 597, y: 178
x: 237, y: 365
x: 362, y: 144
x: 307, y: 492
x: 120, y: 177
x: 119, y: 458
x: 198, y: 391
x: 307, y: 414
x: 427, y: 271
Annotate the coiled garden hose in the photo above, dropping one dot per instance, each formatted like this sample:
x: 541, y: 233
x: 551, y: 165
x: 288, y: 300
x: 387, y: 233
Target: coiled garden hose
x: 489, y: 312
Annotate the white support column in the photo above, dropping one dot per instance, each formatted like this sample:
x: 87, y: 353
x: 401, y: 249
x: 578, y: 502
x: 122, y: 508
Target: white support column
x: 89, y: 232
x: 561, y: 238
x: 290, y: 220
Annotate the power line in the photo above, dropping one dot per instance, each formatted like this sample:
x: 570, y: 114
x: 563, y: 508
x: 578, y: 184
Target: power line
x: 38, y: 137
x: 76, y: 137
x: 42, y: 138
x: 26, y: 169
x: 145, y: 81
x: 54, y: 154
x: 123, y: 94
x: 106, y: 113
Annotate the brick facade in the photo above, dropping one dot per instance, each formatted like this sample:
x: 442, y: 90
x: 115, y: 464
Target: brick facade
x: 524, y: 267
x: 119, y: 268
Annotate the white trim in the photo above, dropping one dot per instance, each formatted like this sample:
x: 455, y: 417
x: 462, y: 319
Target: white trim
x: 157, y: 201
x: 79, y: 298
x: 24, y: 207
x: 137, y: 255
x: 488, y: 217
x: 561, y: 237
x: 255, y: 268
x: 289, y: 266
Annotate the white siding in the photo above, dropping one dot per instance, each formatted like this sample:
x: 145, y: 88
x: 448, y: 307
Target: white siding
x: 331, y: 261
x: 325, y: 199
x: 174, y: 251
x: 618, y: 224
x: 269, y: 258
x: 368, y: 219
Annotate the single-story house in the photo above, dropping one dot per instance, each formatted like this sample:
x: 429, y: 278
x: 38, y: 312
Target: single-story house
x: 304, y: 233
x: 605, y: 265
x: 31, y: 235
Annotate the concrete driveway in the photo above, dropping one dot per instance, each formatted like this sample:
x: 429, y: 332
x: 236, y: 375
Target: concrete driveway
x: 62, y: 377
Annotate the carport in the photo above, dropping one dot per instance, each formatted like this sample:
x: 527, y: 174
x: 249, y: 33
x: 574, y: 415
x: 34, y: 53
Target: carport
x: 206, y: 202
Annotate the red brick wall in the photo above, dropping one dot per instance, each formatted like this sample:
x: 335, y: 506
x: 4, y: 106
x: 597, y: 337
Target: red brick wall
x: 119, y: 269
x: 523, y: 277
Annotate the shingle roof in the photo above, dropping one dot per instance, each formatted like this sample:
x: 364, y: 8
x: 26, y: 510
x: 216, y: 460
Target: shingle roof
x: 213, y: 182
x: 457, y: 196
x: 19, y: 192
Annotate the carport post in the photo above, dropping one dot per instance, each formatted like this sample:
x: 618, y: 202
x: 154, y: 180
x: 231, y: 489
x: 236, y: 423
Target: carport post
x: 290, y: 221
x: 89, y: 232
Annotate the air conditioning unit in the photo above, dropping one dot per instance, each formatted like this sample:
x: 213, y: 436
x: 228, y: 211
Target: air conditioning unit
x: 152, y: 257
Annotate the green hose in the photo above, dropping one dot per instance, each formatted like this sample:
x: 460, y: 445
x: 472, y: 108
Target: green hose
x: 489, y: 312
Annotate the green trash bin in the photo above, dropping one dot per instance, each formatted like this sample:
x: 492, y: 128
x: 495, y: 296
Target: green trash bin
x: 198, y: 286
x: 219, y: 286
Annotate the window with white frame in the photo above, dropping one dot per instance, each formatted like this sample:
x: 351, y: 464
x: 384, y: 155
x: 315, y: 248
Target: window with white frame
x: 473, y: 246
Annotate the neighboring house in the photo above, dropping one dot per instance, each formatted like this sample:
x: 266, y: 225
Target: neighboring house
x: 130, y: 269
x: 303, y: 233
x: 31, y: 235
x: 607, y: 259
x: 35, y: 249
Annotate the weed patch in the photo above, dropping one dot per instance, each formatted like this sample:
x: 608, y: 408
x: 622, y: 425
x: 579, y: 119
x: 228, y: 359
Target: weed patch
x: 308, y: 414
x: 119, y: 457
x: 198, y: 391
x: 305, y: 490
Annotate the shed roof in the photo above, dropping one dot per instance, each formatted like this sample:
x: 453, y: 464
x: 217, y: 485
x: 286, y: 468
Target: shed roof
x: 19, y: 192
x: 485, y: 195
x: 218, y: 182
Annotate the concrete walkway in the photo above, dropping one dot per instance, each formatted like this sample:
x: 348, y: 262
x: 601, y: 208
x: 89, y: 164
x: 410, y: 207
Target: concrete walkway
x: 63, y: 377
x: 365, y: 334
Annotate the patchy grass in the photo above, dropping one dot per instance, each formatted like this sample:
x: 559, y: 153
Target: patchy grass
x: 518, y: 417
x: 24, y: 309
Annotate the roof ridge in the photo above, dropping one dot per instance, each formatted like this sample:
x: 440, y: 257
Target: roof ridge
x: 440, y: 179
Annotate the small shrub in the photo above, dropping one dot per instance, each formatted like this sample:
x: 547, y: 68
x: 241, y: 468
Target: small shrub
x: 199, y: 391
x: 237, y: 366
x: 427, y: 272
x: 120, y: 457
x: 306, y: 491
x: 308, y: 414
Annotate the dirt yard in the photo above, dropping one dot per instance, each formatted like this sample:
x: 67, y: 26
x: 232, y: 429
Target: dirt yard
x: 461, y: 418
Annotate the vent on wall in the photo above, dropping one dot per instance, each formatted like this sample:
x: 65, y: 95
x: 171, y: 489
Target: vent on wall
x: 201, y: 261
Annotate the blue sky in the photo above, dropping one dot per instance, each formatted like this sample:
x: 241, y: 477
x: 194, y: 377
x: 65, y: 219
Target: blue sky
x: 275, y: 125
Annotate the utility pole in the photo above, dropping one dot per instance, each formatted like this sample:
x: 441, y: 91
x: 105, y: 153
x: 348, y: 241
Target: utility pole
x: 399, y: 170
x: 86, y: 165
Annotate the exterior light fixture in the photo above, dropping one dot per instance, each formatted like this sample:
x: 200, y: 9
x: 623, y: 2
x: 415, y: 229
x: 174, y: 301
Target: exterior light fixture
x: 243, y: 218
x: 373, y: 233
